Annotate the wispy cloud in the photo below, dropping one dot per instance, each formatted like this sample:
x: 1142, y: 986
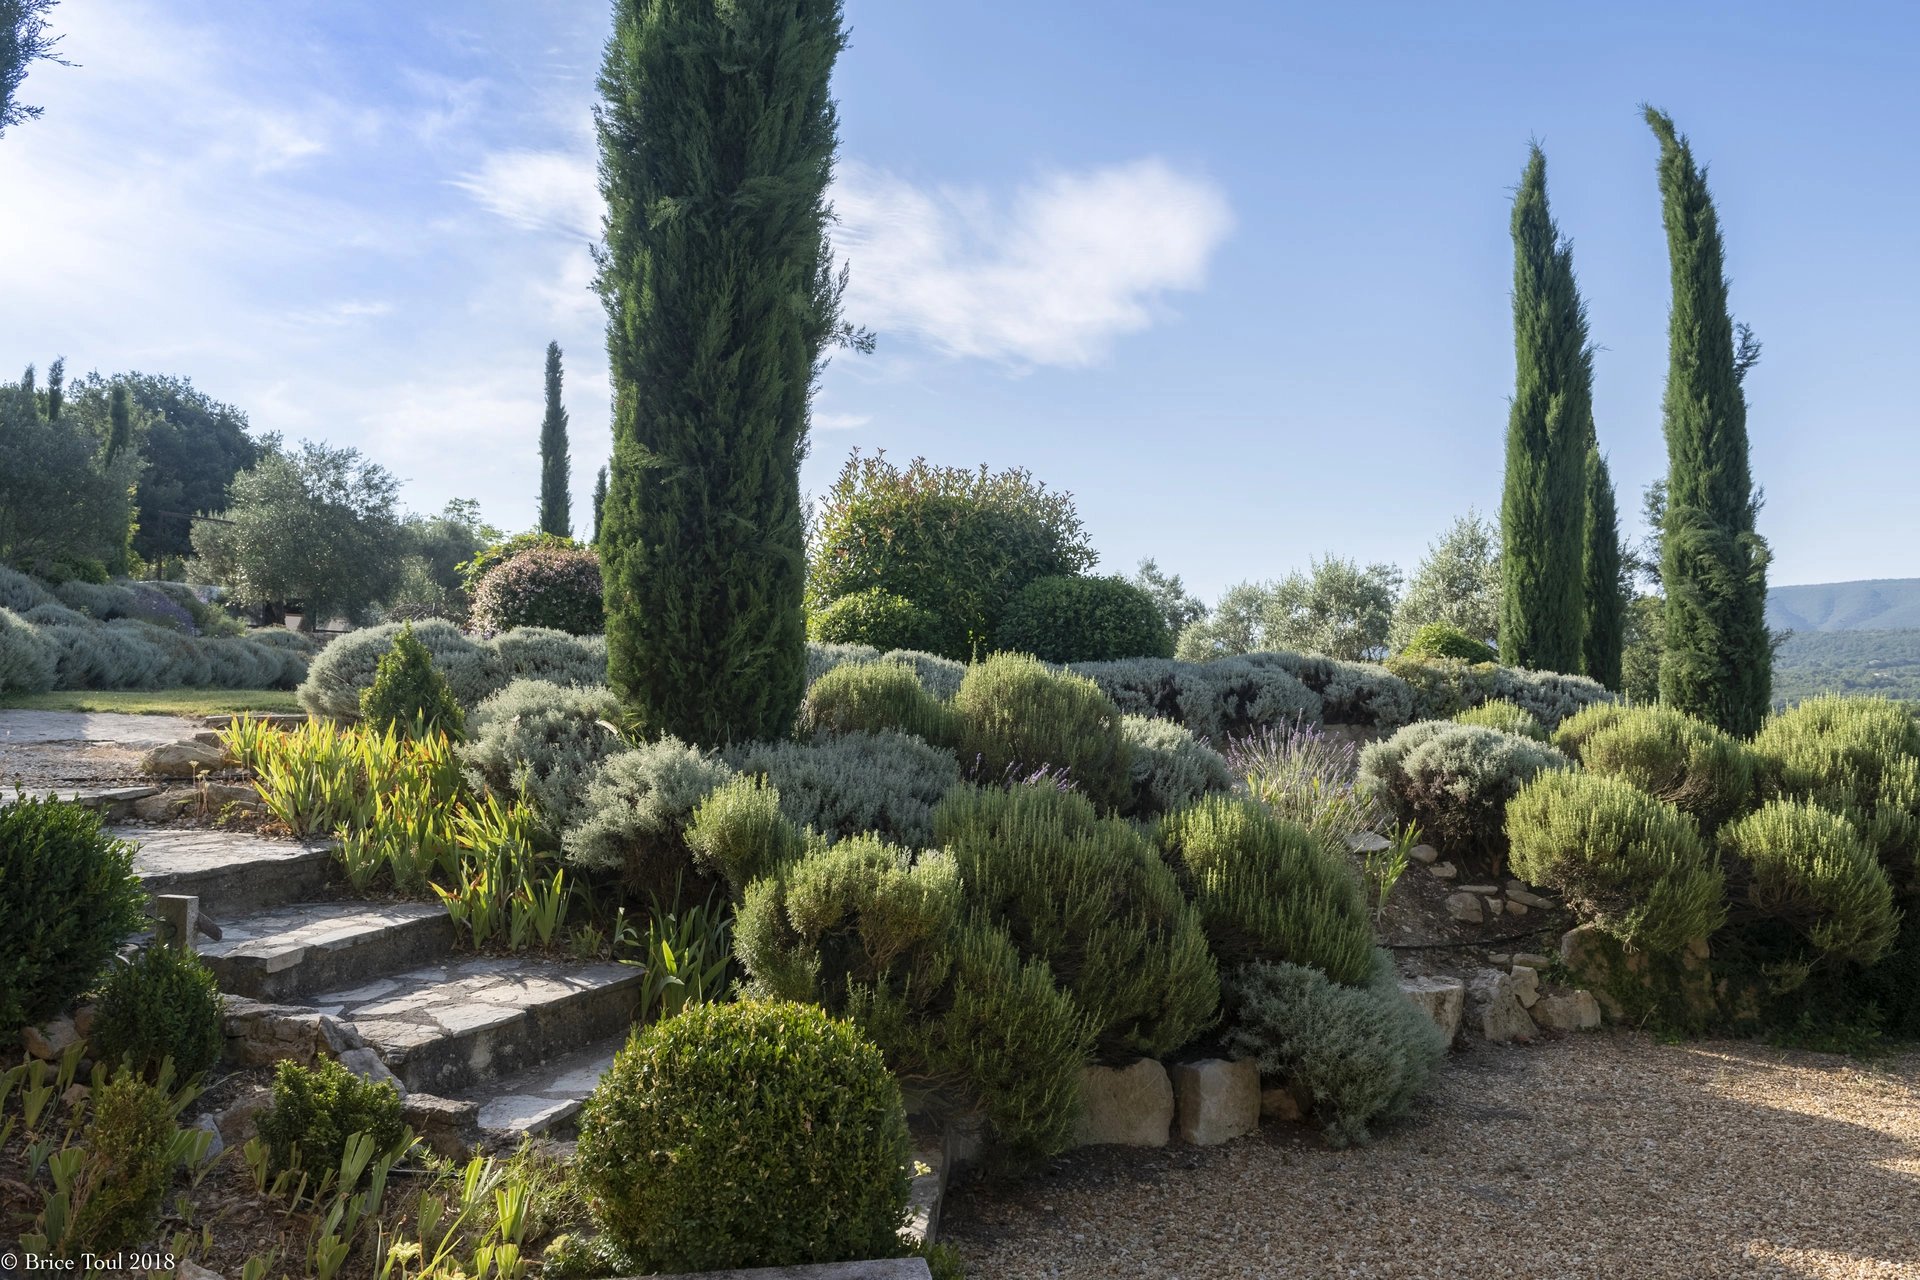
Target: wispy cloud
x: 1052, y: 276
x: 823, y: 421
x: 539, y: 190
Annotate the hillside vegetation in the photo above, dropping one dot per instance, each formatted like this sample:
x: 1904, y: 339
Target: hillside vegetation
x: 1813, y: 662
x: 1875, y: 604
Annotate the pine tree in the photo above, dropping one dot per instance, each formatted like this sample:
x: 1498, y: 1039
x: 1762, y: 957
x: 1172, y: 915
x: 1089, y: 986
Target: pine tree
x: 1548, y: 425
x: 599, y: 502
x: 717, y: 136
x: 1605, y: 636
x: 556, y: 503
x: 1718, y: 662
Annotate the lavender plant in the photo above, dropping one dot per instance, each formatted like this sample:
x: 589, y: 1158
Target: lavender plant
x: 1302, y: 774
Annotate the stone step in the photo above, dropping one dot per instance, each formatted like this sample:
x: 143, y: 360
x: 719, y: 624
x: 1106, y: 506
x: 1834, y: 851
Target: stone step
x: 545, y: 1098
x: 448, y: 1028
x: 287, y: 952
x: 233, y: 873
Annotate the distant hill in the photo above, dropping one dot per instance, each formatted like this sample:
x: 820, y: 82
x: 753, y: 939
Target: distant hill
x: 1877, y: 604
x: 1886, y: 662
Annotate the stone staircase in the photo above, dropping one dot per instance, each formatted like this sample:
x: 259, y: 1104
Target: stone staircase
x: 510, y: 1045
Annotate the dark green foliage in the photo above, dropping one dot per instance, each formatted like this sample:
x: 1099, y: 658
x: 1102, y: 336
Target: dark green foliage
x: 408, y: 692
x: 1269, y: 889
x: 62, y: 504
x: 599, y: 502
x: 1091, y: 898
x: 120, y: 423
x: 317, y: 1108
x: 1551, y: 420
x: 68, y: 899
x: 1498, y: 713
x: 1015, y: 718
x: 1718, y: 662
x: 1440, y: 640
x: 554, y: 587
x: 959, y: 543
x: 874, y: 696
x: 1075, y: 619
x: 191, y: 445
x: 747, y: 1135
x: 556, y: 468
x: 1886, y: 663
x: 1603, y: 640
x: 874, y: 617
x: 1808, y: 868
x: 123, y: 1178
x: 1455, y: 780
x: 1362, y: 1053
x: 1671, y: 756
x: 23, y: 41
x: 717, y: 134
x: 1625, y: 861
x: 164, y: 1005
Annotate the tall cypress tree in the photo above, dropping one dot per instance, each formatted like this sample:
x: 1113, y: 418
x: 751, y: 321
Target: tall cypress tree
x: 119, y: 421
x: 717, y: 138
x: 1542, y: 507
x: 1604, y: 638
x: 1718, y: 663
x: 556, y: 503
x: 599, y: 503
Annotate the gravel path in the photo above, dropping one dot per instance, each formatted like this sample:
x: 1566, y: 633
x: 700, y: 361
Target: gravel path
x: 68, y: 749
x: 1607, y: 1155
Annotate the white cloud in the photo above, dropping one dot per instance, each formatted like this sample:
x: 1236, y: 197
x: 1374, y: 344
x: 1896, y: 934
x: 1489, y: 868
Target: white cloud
x: 839, y: 421
x: 539, y: 190
x: 1071, y: 263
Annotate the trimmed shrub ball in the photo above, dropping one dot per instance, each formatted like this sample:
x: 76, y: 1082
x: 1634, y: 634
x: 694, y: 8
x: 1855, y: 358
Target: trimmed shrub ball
x: 1442, y: 640
x: 756, y: 1134
x: 875, y: 617
x: 556, y: 587
x: 1073, y: 619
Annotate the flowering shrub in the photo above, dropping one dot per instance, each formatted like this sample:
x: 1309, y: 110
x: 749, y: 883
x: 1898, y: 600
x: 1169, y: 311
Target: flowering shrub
x: 556, y: 587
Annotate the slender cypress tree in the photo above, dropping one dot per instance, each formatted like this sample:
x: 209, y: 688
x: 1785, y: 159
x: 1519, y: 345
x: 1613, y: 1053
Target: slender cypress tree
x: 717, y: 138
x: 1718, y: 662
x: 599, y: 502
x: 1542, y: 507
x: 556, y: 503
x: 1605, y: 636
x: 56, y: 388
x: 119, y: 422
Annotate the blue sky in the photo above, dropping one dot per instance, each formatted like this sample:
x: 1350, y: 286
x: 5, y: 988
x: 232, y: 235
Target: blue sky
x: 1235, y: 274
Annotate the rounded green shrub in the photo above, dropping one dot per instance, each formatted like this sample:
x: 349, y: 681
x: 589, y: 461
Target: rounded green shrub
x: 556, y: 587
x: 1673, y: 757
x: 1362, y: 1053
x: 20, y: 592
x: 1810, y: 869
x: 747, y: 1135
x: 1629, y: 863
x: 1016, y: 718
x: 1504, y: 716
x: 68, y: 899
x: 163, y: 1005
x: 873, y: 696
x: 1858, y: 757
x: 316, y: 1109
x: 1090, y: 897
x: 844, y: 784
x: 491, y: 557
x: 1443, y: 687
x: 1571, y: 735
x: 1169, y: 767
x: 29, y: 660
x: 123, y: 1178
x: 1455, y: 780
x: 875, y: 617
x: 632, y: 811
x: 739, y: 833
x: 542, y: 741
x: 337, y: 674
x: 1269, y: 889
x: 1067, y: 618
x: 408, y: 693
x: 1550, y: 696
x: 1443, y: 640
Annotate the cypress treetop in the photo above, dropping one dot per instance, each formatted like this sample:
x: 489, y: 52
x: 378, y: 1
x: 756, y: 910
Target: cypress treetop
x: 1604, y: 640
x: 556, y: 503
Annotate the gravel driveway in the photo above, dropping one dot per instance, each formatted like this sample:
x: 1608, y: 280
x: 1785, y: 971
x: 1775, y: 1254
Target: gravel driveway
x: 1607, y: 1155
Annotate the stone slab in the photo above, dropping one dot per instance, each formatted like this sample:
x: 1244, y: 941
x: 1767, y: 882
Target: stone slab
x: 1442, y: 999
x: 140, y: 732
x: 544, y: 1098
x: 1129, y: 1106
x: 233, y: 873
x: 1218, y: 1100
x: 291, y: 951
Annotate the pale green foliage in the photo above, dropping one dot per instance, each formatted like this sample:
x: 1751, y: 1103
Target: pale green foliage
x: 1505, y: 716
x: 28, y: 662
x: 475, y: 669
x: 1217, y: 700
x: 22, y: 591
x: 1673, y: 757
x: 1338, y: 609
x: 874, y: 696
x: 738, y: 831
x: 1860, y: 758
x: 1169, y: 766
x: 1625, y: 861
x: 1170, y: 595
x: 1090, y: 897
x: 1363, y: 1053
x: 541, y: 741
x: 1015, y: 717
x: 632, y: 810
x: 1269, y: 889
x: 843, y: 784
x: 1458, y: 583
x: 1809, y: 868
x: 1455, y: 780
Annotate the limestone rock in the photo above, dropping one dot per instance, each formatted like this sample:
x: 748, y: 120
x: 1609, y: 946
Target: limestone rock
x: 366, y: 1064
x: 1219, y: 1100
x: 1281, y: 1104
x: 162, y: 806
x: 1529, y: 959
x: 1368, y: 842
x: 1495, y: 906
x: 1424, y: 853
x: 194, y: 1271
x: 449, y: 1127
x: 1515, y: 908
x: 240, y: 1120
x: 76, y: 1094
x: 1128, y: 1106
x: 239, y: 795
x: 1526, y: 985
x: 1443, y: 871
x: 1499, y: 1014
x: 1577, y: 1011
x: 1442, y: 999
x: 217, y: 1144
x: 182, y: 760
x: 1527, y: 898
x: 1482, y: 889
x: 1465, y: 908
x: 49, y: 1041
x: 83, y: 1020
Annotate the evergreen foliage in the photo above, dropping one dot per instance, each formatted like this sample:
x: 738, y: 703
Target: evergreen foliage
x: 23, y: 41
x: 1457, y: 583
x: 1455, y: 780
x: 1718, y: 660
x: 162, y: 1007
x: 556, y: 467
x: 717, y: 135
x: 633, y: 815
x: 1070, y: 618
x: 875, y: 617
x: 316, y: 1109
x: 1669, y: 755
x: 1507, y: 717
x: 874, y: 697
x: 1016, y: 718
x: 599, y: 502
x: 1603, y: 640
x: 1548, y: 426
x: 408, y: 692
x: 1810, y: 869
x: 1442, y: 640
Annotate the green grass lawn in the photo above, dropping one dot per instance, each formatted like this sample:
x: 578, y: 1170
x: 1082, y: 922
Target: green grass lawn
x: 164, y: 702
